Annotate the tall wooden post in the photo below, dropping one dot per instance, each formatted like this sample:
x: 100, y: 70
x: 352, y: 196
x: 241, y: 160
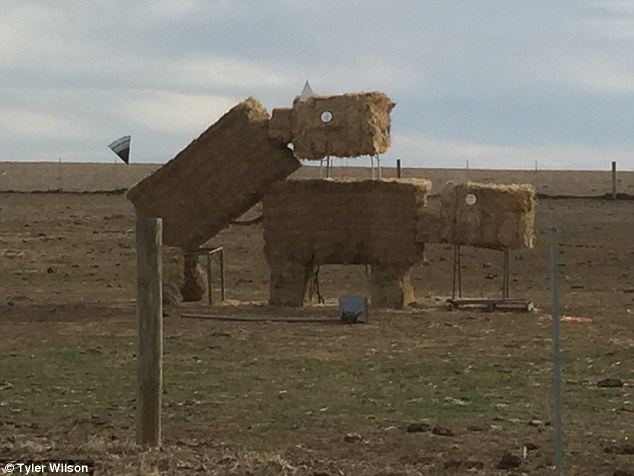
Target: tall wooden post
x: 613, y: 180
x: 149, y: 237
x: 398, y: 168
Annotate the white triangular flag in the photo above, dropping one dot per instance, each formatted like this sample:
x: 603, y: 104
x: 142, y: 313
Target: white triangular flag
x: 306, y: 92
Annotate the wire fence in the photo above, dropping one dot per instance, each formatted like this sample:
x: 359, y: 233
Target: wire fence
x: 117, y: 176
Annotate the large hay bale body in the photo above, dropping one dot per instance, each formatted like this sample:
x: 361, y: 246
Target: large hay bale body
x: 330, y: 222
x: 503, y: 216
x: 216, y: 178
x: 360, y: 125
x: 313, y: 222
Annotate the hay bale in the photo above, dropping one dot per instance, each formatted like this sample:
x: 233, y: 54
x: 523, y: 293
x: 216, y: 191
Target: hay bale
x: 391, y: 287
x: 281, y: 126
x: 216, y: 178
x: 359, y: 125
x: 289, y: 283
x: 194, y: 280
x: 173, y: 279
x: 503, y: 216
x: 344, y: 222
x: 433, y: 222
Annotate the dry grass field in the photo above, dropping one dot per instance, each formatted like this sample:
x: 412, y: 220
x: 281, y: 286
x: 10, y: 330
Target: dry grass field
x: 265, y: 398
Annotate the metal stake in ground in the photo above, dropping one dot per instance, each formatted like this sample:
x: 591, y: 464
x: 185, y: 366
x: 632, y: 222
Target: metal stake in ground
x: 554, y: 286
x: 149, y: 233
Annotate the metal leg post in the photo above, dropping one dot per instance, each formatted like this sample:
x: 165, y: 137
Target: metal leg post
x: 209, y: 290
x: 221, y: 257
x: 459, y: 272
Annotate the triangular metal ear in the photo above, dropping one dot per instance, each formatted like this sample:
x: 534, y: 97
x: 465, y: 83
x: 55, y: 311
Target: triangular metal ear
x: 306, y: 92
x: 121, y: 147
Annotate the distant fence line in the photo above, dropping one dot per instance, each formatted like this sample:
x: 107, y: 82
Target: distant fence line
x: 93, y: 177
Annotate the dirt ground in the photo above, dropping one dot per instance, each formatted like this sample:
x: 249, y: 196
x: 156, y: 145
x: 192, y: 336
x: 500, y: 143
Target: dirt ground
x: 313, y: 398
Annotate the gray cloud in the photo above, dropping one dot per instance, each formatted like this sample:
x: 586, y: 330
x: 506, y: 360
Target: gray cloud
x: 501, y: 82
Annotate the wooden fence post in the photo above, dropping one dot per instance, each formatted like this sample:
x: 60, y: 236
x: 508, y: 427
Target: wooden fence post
x: 398, y: 168
x: 613, y: 180
x: 149, y: 233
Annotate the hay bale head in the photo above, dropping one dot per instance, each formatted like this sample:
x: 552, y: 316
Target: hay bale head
x: 216, y: 178
x: 486, y: 215
x: 347, y: 125
x: 337, y: 222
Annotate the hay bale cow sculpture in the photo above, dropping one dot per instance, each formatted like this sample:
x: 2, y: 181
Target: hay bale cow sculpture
x: 246, y: 157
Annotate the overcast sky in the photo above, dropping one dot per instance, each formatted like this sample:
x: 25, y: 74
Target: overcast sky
x: 499, y: 83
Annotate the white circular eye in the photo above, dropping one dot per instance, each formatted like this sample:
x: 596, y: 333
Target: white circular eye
x: 326, y: 116
x: 470, y: 199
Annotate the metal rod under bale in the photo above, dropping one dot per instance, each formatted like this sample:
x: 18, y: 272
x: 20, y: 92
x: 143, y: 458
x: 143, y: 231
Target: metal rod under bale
x: 149, y: 232
x: 221, y: 258
x: 507, y: 275
x: 210, y: 294
x: 554, y: 310
x: 238, y: 318
x: 457, y: 272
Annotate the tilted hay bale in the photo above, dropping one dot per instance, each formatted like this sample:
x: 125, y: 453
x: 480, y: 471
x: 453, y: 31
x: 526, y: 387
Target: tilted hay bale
x: 216, y: 178
x: 341, y: 222
x: 503, y: 216
x: 194, y: 280
x: 359, y: 125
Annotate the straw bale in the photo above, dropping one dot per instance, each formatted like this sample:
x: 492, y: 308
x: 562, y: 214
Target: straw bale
x: 434, y: 222
x: 502, y: 217
x: 360, y: 125
x: 173, y: 278
x: 391, y: 287
x: 344, y: 222
x: 281, y: 126
x: 194, y: 280
x: 216, y: 178
x: 289, y: 283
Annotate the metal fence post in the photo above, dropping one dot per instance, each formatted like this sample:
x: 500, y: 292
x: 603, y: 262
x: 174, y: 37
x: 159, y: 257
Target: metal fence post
x: 554, y: 309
